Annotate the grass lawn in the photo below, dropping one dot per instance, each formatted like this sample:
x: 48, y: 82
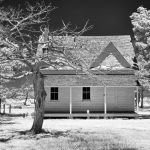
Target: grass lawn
x: 76, y: 134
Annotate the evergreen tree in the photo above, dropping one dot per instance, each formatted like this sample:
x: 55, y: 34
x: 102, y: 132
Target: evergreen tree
x: 141, y: 43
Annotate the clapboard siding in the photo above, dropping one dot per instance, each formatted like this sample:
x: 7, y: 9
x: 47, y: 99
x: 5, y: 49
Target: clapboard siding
x: 146, y: 93
x: 111, y: 99
x: 120, y: 99
x: 95, y: 104
x: 63, y: 103
x: 125, y: 99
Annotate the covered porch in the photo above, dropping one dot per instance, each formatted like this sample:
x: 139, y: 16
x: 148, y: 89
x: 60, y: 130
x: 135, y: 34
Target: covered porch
x: 105, y: 113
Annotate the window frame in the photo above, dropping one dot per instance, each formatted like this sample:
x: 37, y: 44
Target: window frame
x: 55, y: 92
x: 86, y: 94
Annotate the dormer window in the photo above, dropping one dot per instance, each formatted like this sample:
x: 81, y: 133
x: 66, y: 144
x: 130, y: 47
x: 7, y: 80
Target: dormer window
x: 45, y: 50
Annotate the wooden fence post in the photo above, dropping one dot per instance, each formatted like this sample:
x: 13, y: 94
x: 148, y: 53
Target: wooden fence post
x: 88, y: 114
x: 4, y: 109
x: 9, y: 109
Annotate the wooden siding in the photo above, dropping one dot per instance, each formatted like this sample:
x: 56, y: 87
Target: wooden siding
x: 63, y: 103
x: 95, y: 104
x: 120, y: 99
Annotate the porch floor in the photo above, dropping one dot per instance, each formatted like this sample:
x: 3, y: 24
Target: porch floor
x: 93, y: 115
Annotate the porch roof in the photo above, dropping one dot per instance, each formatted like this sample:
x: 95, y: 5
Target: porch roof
x: 83, y: 80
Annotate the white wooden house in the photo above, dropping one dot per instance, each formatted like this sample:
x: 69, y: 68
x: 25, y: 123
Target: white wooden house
x: 113, y: 89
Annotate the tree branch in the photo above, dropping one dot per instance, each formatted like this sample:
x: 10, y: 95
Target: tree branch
x: 13, y: 77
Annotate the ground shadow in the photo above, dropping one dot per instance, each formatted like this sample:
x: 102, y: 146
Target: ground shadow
x: 6, y: 139
x: 6, y: 120
x: 57, y: 134
x: 27, y: 134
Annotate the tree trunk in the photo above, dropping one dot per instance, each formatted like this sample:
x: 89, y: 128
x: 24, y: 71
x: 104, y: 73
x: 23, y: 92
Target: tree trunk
x: 40, y: 94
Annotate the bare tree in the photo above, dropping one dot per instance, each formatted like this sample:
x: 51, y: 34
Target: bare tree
x: 24, y: 36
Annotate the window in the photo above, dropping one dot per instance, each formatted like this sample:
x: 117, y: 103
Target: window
x: 86, y: 93
x: 54, y: 93
x: 45, y: 50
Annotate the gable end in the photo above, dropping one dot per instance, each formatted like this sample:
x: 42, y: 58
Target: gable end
x: 110, y: 49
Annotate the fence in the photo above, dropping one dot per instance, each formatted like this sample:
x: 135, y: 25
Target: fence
x: 14, y: 111
x: 5, y: 108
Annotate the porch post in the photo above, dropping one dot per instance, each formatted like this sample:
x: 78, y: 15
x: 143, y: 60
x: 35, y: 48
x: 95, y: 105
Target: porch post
x: 0, y: 104
x: 3, y: 108
x: 137, y: 99
x: 105, y: 102
x: 70, y: 102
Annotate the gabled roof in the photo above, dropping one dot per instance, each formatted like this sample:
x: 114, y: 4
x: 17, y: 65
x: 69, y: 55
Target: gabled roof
x: 92, y: 46
x: 110, y: 49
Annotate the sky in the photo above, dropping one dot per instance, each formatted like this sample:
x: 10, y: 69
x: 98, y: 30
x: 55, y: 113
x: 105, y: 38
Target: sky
x: 109, y: 17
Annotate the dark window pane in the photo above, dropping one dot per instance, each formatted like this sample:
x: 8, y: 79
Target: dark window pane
x: 88, y: 89
x: 84, y: 89
x: 84, y: 96
x: 52, y: 89
x: 88, y: 96
x: 52, y: 96
x: 45, y: 50
x: 56, y: 96
x: 56, y: 89
x: 54, y: 93
x: 86, y: 93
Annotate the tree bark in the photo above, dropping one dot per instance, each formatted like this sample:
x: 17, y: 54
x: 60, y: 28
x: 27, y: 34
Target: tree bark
x: 40, y: 95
